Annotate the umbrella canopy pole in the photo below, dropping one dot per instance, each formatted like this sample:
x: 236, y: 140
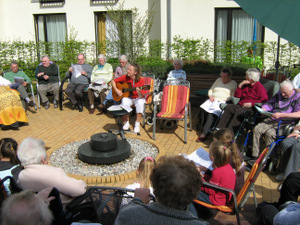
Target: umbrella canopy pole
x: 277, y: 58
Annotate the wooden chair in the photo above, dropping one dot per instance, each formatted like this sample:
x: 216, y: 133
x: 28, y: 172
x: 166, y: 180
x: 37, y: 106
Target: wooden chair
x: 237, y: 202
x: 175, y: 105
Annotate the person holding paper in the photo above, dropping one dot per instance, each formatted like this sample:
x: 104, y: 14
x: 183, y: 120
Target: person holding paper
x: 222, y: 175
x: 47, y: 76
x: 249, y: 91
x: 219, y: 93
x: 284, y: 105
x: 133, y: 78
x: 80, y: 74
x: 11, y: 111
x: 101, y: 75
x: 14, y: 74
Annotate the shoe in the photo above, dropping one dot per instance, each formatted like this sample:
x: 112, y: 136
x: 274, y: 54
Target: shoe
x: 31, y: 104
x: 55, y: 104
x: 91, y: 110
x: 136, y: 128
x: 101, y: 106
x: 279, y: 177
x: 80, y: 108
x: 200, y: 139
x: 75, y: 107
x: 126, y: 126
x: 47, y: 105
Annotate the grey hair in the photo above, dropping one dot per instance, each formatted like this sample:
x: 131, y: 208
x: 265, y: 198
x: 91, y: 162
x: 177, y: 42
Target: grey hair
x: 101, y: 56
x: 287, y: 83
x: 123, y: 57
x: 80, y: 53
x: 43, y: 56
x: 25, y: 208
x: 31, y: 151
x: 14, y: 62
x: 254, y: 74
x: 178, y: 60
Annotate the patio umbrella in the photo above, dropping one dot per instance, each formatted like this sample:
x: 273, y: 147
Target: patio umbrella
x: 280, y: 16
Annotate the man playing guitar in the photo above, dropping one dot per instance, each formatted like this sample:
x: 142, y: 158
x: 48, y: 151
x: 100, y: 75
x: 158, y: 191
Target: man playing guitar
x: 133, y: 78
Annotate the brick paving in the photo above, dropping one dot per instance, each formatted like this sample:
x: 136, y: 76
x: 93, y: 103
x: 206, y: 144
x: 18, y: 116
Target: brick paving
x: 58, y: 128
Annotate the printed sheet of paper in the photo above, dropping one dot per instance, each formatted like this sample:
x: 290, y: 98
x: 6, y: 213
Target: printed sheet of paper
x: 261, y: 111
x: 201, y: 157
x: 114, y: 108
x: 19, y: 80
x: 212, y: 107
x: 76, y: 70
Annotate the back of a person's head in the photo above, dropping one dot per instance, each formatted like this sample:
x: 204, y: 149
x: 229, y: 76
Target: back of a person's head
x: 176, y: 181
x: 144, y: 170
x: 227, y: 137
x: 220, y: 152
x: 31, y: 151
x: 25, y: 208
x: 8, y: 149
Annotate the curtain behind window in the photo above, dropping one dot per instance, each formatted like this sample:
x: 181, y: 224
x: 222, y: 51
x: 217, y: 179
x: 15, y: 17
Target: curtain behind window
x: 52, y: 28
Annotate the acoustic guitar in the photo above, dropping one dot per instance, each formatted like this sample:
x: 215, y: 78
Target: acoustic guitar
x: 125, y: 88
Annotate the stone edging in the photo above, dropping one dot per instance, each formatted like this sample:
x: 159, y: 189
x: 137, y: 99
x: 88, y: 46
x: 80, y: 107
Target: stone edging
x: 95, y: 180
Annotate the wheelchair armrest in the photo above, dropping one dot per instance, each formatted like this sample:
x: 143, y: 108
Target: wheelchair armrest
x: 233, y: 100
x: 223, y: 106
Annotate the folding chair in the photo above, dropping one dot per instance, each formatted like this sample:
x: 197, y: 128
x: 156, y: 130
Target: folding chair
x: 175, y: 105
x: 149, y: 100
x: 237, y: 202
x: 31, y: 91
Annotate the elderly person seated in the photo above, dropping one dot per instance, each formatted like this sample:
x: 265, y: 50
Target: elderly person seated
x: 11, y: 110
x: 47, y: 76
x: 122, y: 68
x: 290, y: 151
x: 101, y: 75
x: 21, y: 87
x: 176, y: 182
x: 26, y: 208
x: 177, y: 73
x: 221, y: 90
x: 250, y: 91
x: 284, y: 105
x: 38, y: 175
x: 80, y: 80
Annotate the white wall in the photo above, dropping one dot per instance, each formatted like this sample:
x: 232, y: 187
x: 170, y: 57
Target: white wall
x: 17, y: 20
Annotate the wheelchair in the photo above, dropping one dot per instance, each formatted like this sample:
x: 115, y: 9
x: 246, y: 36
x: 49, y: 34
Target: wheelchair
x: 246, y: 130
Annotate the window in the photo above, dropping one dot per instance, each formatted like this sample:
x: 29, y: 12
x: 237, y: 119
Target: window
x: 51, y: 28
x: 236, y: 26
x: 115, y: 32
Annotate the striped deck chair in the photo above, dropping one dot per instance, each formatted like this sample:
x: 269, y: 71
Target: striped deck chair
x: 148, y: 99
x: 238, y: 201
x: 175, y: 105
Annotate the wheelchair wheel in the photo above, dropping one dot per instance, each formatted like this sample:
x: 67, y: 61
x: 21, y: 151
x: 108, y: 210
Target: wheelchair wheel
x: 273, y: 167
